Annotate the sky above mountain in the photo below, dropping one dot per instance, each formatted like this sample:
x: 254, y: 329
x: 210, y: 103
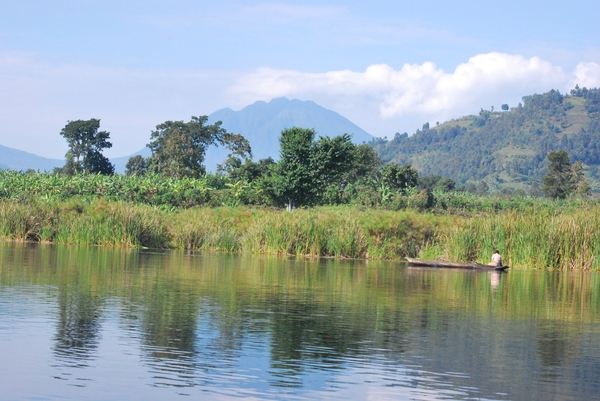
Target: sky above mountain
x: 388, y: 66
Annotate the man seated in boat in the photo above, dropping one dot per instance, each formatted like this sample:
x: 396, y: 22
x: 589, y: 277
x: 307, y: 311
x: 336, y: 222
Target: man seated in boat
x: 496, y: 259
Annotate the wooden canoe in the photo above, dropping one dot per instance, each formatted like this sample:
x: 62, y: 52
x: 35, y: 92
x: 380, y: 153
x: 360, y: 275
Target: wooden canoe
x: 453, y: 265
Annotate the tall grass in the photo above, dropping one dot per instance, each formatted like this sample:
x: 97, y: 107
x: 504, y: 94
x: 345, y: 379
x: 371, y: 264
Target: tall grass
x: 540, y: 239
x: 336, y: 232
x: 80, y: 222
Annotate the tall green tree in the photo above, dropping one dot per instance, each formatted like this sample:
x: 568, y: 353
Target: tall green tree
x: 237, y: 170
x: 560, y: 181
x: 398, y: 178
x: 179, y: 148
x: 331, y: 158
x: 307, y: 167
x: 366, y: 165
x: 292, y: 179
x: 136, y: 165
x: 86, y: 144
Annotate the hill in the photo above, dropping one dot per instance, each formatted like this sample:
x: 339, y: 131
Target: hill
x: 507, y: 148
x: 13, y: 159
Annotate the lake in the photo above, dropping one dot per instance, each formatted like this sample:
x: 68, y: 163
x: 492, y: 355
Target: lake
x: 85, y: 323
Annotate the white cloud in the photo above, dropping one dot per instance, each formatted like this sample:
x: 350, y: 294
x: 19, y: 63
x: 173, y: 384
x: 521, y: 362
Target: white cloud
x: 39, y: 97
x: 417, y: 92
x: 587, y: 75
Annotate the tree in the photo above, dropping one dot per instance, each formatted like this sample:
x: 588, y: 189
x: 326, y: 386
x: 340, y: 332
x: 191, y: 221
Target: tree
x: 505, y: 107
x: 178, y: 148
x: 307, y: 167
x: 584, y: 189
x: 365, y: 165
x: 330, y: 159
x: 445, y: 185
x: 85, y: 148
x: 482, y: 188
x: 535, y: 190
x: 292, y: 181
x: 399, y: 178
x: 248, y: 171
x: 136, y: 165
x: 560, y: 180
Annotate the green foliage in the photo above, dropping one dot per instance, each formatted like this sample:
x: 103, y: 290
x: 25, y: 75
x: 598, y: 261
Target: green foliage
x: 178, y: 148
x: 566, y: 239
x: 293, y: 181
x: 365, y: 166
x: 136, y: 165
x: 238, y: 170
x: 398, y: 178
x: 85, y: 148
x: 151, y: 189
x: 445, y: 185
x: 307, y: 167
x: 560, y: 180
x: 317, y: 232
x: 509, y: 148
x: 157, y: 211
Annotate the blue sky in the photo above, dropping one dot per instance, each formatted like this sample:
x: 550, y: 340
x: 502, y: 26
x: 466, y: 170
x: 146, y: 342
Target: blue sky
x: 389, y: 66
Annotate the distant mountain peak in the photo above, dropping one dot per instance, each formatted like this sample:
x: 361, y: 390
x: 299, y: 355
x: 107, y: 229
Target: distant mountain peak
x: 262, y: 122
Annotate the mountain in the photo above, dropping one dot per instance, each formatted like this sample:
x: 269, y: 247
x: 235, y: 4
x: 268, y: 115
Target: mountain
x: 261, y: 123
x: 506, y: 148
x: 13, y: 159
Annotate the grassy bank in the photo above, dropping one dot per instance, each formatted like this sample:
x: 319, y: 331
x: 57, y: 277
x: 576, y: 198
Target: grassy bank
x: 159, y: 212
x: 568, y: 239
x: 326, y: 231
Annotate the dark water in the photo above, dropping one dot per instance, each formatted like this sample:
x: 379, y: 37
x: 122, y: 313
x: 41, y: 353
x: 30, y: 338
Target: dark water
x: 96, y: 324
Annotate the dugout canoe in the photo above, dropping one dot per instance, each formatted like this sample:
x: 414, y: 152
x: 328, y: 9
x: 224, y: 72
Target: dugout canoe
x: 453, y: 265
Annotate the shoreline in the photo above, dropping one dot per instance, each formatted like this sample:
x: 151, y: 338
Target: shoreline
x: 530, y: 239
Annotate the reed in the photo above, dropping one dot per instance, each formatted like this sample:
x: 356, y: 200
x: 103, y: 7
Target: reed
x: 540, y: 239
x: 331, y: 232
x: 83, y: 223
x: 534, y: 238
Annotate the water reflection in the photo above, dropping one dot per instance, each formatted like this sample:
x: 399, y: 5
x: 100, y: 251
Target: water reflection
x: 495, y: 277
x: 269, y: 328
x: 77, y: 336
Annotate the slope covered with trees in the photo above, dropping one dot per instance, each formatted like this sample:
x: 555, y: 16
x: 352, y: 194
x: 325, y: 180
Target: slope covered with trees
x: 507, y: 148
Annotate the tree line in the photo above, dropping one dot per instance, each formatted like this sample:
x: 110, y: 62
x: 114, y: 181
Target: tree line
x: 310, y: 171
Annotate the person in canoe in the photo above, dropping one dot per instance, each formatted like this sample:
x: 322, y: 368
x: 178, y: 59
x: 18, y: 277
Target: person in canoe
x: 496, y: 259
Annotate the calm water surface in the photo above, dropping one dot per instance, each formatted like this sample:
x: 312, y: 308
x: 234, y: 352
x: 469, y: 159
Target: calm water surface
x: 97, y: 324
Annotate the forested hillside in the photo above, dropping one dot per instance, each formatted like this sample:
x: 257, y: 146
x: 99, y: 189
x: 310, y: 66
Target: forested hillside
x: 506, y: 148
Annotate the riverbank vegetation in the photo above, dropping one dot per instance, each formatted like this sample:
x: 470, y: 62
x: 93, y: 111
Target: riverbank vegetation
x: 531, y: 233
x: 327, y: 231
x: 345, y: 202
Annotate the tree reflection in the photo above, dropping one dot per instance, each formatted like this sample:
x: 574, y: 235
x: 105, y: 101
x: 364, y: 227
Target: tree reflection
x: 79, y: 325
x: 197, y: 319
x: 552, y: 346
